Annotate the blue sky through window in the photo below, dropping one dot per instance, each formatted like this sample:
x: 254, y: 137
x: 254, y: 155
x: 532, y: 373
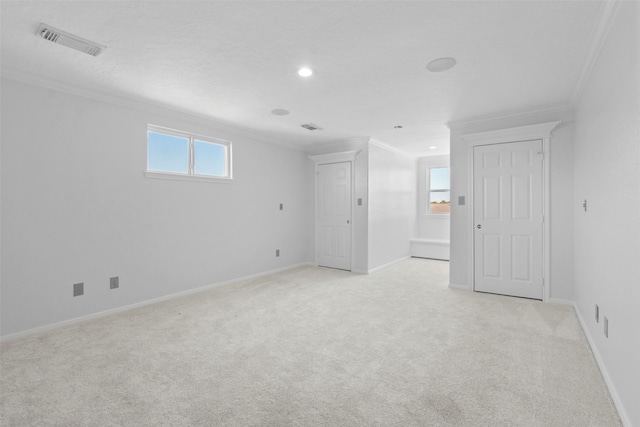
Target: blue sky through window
x: 168, y: 153
x: 209, y: 158
x: 439, y: 179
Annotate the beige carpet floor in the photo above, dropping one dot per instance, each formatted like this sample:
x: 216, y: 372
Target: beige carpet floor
x: 314, y: 347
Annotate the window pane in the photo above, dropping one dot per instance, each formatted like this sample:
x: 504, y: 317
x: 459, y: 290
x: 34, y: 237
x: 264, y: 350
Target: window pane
x: 209, y: 159
x: 439, y: 178
x: 439, y: 202
x: 167, y: 153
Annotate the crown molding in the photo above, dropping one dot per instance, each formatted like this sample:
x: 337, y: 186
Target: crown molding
x: 388, y: 147
x: 354, y: 143
x: 343, y: 156
x: 557, y: 110
x: 606, y: 16
x: 520, y: 133
x: 141, y: 105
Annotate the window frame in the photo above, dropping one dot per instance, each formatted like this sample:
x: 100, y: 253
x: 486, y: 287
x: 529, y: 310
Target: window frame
x: 429, y: 190
x: 191, y: 175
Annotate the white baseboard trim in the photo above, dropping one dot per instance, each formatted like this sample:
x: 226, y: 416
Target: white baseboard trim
x: 560, y: 301
x: 622, y: 413
x: 458, y: 286
x: 104, y: 313
x: 429, y: 257
x: 373, y: 270
x: 430, y: 248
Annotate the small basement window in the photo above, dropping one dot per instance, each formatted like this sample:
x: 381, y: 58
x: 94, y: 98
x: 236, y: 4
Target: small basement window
x: 439, y: 200
x: 175, y: 154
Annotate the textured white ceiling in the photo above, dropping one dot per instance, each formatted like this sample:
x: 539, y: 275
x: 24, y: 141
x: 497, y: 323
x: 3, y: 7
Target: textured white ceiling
x: 236, y: 61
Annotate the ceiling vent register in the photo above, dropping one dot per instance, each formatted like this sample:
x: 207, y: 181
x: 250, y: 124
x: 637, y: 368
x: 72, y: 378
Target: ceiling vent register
x: 311, y: 126
x: 54, y: 35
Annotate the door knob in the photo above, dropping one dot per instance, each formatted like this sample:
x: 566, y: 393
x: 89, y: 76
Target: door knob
x: 479, y: 226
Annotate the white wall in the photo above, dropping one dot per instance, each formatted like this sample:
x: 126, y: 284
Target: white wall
x: 607, y: 236
x: 383, y: 225
x: 77, y: 208
x: 431, y: 227
x: 360, y: 243
x: 561, y: 165
x: 560, y: 223
x: 431, y: 239
x: 392, y: 204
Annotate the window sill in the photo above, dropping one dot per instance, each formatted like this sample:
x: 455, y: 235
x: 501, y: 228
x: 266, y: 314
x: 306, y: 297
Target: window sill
x: 181, y: 177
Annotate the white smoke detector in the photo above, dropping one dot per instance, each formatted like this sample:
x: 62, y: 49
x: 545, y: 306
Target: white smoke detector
x: 54, y: 35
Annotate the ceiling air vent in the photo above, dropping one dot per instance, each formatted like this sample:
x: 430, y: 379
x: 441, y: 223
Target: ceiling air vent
x: 311, y: 126
x: 69, y: 40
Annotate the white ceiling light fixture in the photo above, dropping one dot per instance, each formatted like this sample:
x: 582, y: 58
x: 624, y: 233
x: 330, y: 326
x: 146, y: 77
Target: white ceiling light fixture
x: 54, y: 35
x: 280, y: 112
x: 441, y: 64
x: 305, y: 72
x: 433, y: 147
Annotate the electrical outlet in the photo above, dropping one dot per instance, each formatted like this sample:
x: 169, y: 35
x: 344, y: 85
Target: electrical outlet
x: 359, y: 201
x: 78, y: 289
x: 606, y: 327
x: 597, y: 314
x: 277, y: 253
x: 281, y: 206
x: 114, y: 282
x: 461, y: 201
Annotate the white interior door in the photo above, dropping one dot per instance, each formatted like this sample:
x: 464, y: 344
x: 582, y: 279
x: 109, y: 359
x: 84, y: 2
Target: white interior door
x: 508, y: 218
x: 334, y: 215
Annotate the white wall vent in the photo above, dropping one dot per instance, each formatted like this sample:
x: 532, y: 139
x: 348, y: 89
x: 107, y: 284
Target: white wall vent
x: 54, y: 35
x: 311, y: 126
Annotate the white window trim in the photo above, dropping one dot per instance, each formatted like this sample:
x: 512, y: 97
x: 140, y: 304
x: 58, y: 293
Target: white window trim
x: 191, y: 176
x: 184, y: 177
x: 428, y: 191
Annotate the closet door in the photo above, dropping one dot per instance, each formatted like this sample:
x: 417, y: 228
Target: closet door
x: 508, y: 218
x: 334, y: 215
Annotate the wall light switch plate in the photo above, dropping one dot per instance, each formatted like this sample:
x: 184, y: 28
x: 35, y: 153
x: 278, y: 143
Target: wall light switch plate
x: 461, y: 201
x: 114, y: 282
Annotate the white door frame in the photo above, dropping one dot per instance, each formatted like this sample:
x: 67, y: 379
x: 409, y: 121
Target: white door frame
x: 523, y: 133
x: 341, y: 157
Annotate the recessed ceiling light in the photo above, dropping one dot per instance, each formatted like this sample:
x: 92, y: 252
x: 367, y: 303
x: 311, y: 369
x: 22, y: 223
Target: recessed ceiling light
x: 305, y: 71
x: 441, y: 64
x: 433, y: 147
x: 280, y: 112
